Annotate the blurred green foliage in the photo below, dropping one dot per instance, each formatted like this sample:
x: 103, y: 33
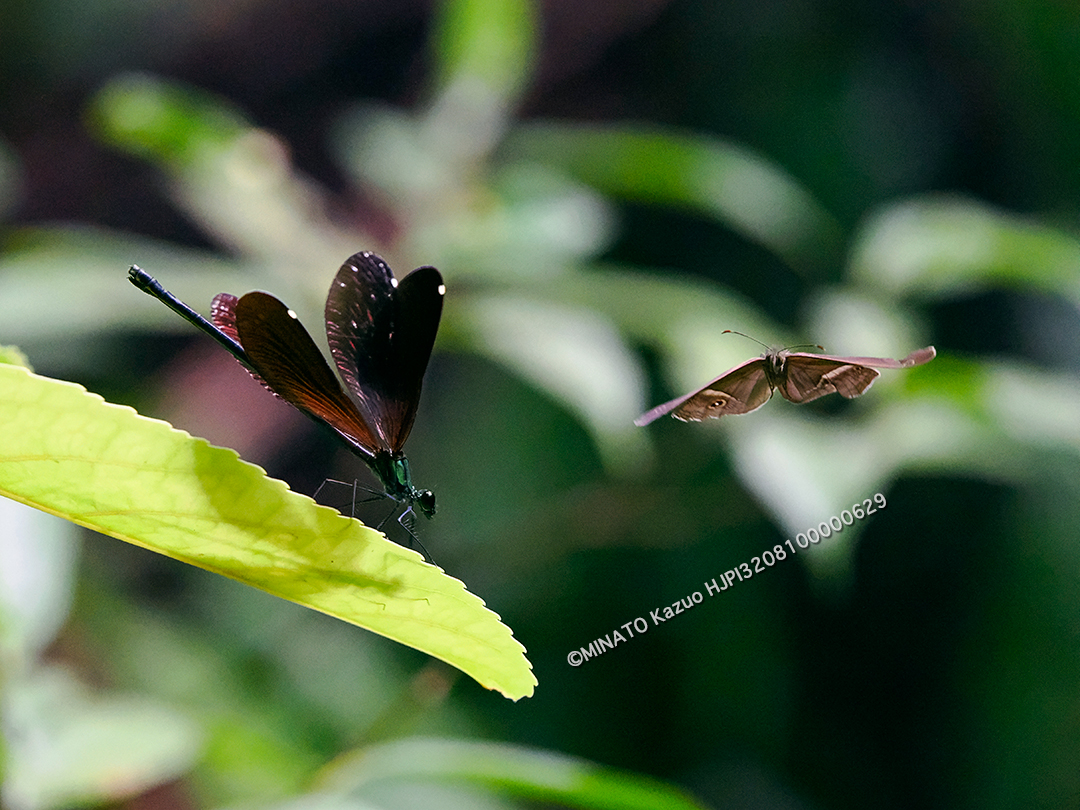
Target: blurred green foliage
x: 926, y: 657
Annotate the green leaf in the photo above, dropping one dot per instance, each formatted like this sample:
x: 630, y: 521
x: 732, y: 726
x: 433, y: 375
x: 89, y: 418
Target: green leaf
x: 528, y: 773
x: 64, y: 284
x: 492, y: 41
x: 233, y: 178
x: 162, y: 120
x: 69, y: 453
x: 572, y: 353
x: 71, y: 747
x: 719, y: 179
x: 940, y: 246
x: 14, y: 356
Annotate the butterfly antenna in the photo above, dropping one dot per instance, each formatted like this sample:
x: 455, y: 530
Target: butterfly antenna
x: 733, y: 332
x: 786, y: 348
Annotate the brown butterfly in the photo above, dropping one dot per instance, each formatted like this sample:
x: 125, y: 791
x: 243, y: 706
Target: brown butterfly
x: 800, y: 377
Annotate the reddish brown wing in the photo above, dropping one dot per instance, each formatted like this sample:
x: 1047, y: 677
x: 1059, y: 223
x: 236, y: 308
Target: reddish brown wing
x: 291, y: 365
x: 809, y: 376
x: 223, y: 313
x: 739, y: 390
x: 381, y: 333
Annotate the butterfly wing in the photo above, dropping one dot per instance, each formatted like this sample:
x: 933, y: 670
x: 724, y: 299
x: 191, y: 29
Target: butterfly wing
x: 739, y: 390
x: 381, y: 333
x: 916, y: 358
x: 809, y: 376
x: 291, y: 366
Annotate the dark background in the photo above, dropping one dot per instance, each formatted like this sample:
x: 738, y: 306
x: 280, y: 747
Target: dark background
x: 933, y: 663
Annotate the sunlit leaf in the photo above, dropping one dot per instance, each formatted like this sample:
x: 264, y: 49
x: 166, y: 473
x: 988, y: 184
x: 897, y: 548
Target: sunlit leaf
x: 105, y: 467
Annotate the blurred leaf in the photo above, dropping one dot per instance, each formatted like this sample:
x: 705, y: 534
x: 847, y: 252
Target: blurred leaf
x: 716, y: 178
x: 38, y: 554
x: 384, y: 148
x: 320, y: 801
x: 528, y: 224
x: 526, y: 773
x: 516, y: 222
x: 575, y: 355
x: 103, y: 466
x: 1006, y: 400
x: 255, y: 747
x: 490, y: 42
x: 430, y: 164
x: 807, y: 470
x: 236, y: 180
x: 944, y: 246
x: 683, y: 318
x: 14, y: 356
x: 163, y: 121
x: 66, y: 282
x: 848, y: 321
x: 70, y: 748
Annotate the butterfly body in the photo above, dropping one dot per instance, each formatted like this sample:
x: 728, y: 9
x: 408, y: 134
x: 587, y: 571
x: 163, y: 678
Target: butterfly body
x: 381, y: 332
x: 798, y: 376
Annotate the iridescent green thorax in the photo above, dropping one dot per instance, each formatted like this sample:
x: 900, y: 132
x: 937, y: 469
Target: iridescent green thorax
x: 393, y: 471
